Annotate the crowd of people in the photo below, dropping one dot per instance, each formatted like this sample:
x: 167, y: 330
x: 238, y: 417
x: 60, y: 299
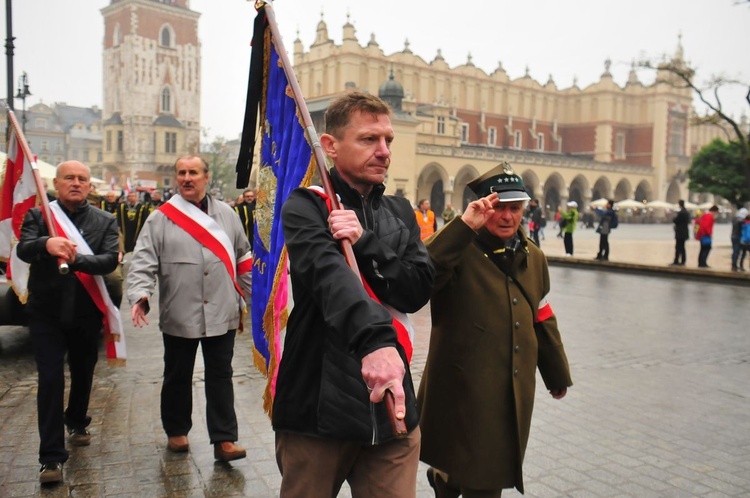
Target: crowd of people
x: 348, y: 342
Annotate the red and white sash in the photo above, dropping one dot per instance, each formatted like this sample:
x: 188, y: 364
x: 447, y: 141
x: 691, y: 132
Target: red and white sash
x: 114, y: 335
x: 210, y: 235
x: 400, y: 322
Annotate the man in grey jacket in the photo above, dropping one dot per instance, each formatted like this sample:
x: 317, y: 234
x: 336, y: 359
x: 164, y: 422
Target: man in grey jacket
x: 199, y: 251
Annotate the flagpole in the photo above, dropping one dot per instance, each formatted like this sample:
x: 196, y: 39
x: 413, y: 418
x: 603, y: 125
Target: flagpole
x: 320, y: 157
x: 398, y: 425
x: 62, y: 266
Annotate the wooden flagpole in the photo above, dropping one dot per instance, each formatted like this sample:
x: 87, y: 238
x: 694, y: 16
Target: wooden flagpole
x: 62, y: 265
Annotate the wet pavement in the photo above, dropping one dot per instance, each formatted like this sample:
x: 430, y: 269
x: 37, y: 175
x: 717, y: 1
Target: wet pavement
x: 659, y: 407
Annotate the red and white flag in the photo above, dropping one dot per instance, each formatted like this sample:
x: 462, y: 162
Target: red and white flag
x: 128, y: 186
x: 18, y: 196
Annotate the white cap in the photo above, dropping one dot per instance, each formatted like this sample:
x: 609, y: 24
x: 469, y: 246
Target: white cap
x: 741, y: 213
x: 573, y: 204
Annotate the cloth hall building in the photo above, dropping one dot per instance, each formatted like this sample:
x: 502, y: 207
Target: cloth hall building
x: 452, y: 124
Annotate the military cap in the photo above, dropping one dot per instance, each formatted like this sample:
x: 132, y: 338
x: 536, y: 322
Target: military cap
x: 502, y: 180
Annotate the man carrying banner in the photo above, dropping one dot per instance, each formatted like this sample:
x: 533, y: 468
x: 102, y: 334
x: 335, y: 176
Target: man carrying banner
x: 66, y: 311
x: 343, y: 349
x: 198, y: 250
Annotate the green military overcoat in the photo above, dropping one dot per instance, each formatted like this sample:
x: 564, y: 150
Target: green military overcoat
x: 477, y: 392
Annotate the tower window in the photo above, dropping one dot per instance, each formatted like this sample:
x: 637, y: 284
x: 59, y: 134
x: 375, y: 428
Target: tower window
x: 166, y: 100
x: 492, y: 136
x: 165, y: 38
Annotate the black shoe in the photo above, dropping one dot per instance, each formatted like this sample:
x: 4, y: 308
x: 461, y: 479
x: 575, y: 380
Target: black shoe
x: 598, y: 257
x: 79, y: 437
x: 703, y: 266
x: 51, y: 473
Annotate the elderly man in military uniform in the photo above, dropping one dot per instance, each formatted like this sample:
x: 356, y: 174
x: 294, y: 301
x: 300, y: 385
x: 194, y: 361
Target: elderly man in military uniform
x: 492, y: 326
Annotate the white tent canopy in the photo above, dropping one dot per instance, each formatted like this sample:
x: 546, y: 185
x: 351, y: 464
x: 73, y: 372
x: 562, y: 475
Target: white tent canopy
x: 46, y: 171
x: 629, y: 204
x: 660, y: 205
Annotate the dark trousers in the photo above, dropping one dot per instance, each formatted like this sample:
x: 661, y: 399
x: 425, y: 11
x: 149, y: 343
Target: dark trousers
x: 51, y: 341
x: 535, y: 237
x: 177, y: 390
x: 568, y: 241
x: 679, y: 252
x: 735, y: 252
x: 603, y: 246
x: 703, y: 255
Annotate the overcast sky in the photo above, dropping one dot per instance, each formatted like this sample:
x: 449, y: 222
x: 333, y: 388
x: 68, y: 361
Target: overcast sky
x: 59, y: 42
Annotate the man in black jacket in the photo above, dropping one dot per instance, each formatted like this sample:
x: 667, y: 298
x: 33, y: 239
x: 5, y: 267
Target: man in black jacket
x: 342, y: 349
x: 63, y: 317
x: 681, y: 234
x: 245, y: 210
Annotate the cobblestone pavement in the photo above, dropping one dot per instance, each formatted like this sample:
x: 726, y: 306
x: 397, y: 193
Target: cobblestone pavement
x: 659, y: 407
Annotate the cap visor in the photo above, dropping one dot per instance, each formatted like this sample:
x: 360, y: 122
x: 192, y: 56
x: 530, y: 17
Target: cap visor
x: 512, y: 195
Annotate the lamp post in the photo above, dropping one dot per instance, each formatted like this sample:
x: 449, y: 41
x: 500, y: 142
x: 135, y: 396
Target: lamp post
x: 23, y: 92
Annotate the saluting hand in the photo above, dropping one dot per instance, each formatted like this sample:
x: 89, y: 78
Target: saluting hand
x: 478, y: 212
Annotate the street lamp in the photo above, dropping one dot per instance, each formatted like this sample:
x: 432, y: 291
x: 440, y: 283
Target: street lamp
x: 23, y: 92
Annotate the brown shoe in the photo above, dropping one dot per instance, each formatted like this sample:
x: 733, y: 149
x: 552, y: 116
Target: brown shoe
x: 227, y: 451
x: 178, y: 444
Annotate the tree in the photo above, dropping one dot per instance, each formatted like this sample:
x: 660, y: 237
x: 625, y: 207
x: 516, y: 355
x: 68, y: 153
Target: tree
x: 719, y: 168
x: 221, y: 169
x: 675, y: 72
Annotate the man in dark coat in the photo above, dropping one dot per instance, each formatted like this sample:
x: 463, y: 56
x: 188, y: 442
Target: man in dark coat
x: 491, y: 328
x: 681, y: 234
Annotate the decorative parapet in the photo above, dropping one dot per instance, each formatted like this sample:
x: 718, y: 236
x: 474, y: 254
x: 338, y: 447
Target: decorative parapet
x: 530, y: 158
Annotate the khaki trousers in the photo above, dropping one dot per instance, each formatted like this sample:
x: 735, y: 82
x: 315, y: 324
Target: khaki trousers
x: 313, y: 467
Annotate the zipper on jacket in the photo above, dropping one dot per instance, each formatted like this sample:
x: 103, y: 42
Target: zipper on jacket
x: 364, y: 211
x: 374, y: 424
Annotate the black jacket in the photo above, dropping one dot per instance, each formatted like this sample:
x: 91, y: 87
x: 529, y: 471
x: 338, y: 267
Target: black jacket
x: 62, y: 298
x: 334, y: 323
x: 681, y: 223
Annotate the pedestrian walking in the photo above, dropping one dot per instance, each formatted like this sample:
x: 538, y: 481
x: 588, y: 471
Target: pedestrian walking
x: 66, y: 311
x: 568, y: 221
x: 342, y: 350
x: 535, y: 221
x: 744, y: 242
x: 607, y: 222
x: 425, y: 218
x: 492, y: 326
x: 737, y: 224
x: 704, y: 234
x: 196, y: 248
x: 681, y: 223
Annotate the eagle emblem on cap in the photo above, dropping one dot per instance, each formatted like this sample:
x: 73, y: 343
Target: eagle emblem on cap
x: 508, y: 169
